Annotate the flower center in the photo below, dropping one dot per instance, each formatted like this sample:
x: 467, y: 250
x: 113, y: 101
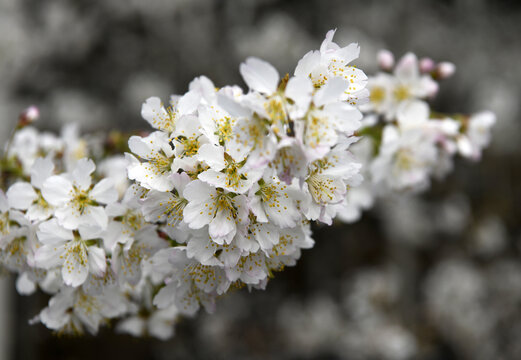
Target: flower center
x: 322, y: 188
x: 81, y: 200
x: 377, y: 95
x: 401, y: 93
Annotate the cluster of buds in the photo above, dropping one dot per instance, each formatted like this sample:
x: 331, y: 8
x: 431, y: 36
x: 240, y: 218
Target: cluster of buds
x: 221, y: 193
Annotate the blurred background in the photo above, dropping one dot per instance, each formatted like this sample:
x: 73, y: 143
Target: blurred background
x: 430, y: 277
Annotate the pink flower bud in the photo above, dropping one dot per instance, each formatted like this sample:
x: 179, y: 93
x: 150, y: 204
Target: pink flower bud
x: 445, y: 69
x: 28, y: 116
x: 427, y: 65
x: 385, y: 60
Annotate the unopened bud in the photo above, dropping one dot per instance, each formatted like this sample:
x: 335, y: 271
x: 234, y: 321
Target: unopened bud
x: 427, y: 65
x: 28, y: 116
x: 385, y: 60
x: 445, y: 69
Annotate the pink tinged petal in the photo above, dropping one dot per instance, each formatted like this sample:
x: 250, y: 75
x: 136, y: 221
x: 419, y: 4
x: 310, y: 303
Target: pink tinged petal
x: 81, y: 175
x: 57, y: 190
x: 21, y: 195
x: 331, y: 91
x: 97, y: 261
x: 212, y: 155
x: 104, y: 192
x: 50, y: 256
x: 75, y: 269
x: 385, y: 59
x: 407, y: 68
x: 259, y: 75
x: 222, y: 228
x: 42, y: 169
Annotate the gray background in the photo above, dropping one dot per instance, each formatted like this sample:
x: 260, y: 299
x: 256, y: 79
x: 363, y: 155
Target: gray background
x: 440, y: 274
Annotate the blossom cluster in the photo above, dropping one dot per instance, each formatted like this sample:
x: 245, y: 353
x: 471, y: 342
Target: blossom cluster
x: 221, y: 193
x: 404, y: 143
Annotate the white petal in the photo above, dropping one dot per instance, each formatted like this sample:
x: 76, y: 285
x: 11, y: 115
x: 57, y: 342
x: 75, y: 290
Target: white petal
x: 42, y: 169
x: 188, y: 102
x: 97, y: 215
x: 57, y: 190
x: 4, y: 204
x: 154, y: 113
x: 104, y: 192
x: 140, y: 147
x: 198, y: 191
x: 81, y: 174
x: 307, y: 64
x: 349, y: 53
x: 412, y: 114
x: 196, y: 215
x: 21, y: 195
x: 300, y: 89
x: 222, y: 228
x: 212, y: 155
x: 407, y: 68
x: 50, y: 232
x: 166, y: 296
x: 75, y: 268
x: 39, y: 213
x: 24, y: 285
x: 97, y: 262
x: 259, y: 75
x: 331, y: 91
x: 50, y: 256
